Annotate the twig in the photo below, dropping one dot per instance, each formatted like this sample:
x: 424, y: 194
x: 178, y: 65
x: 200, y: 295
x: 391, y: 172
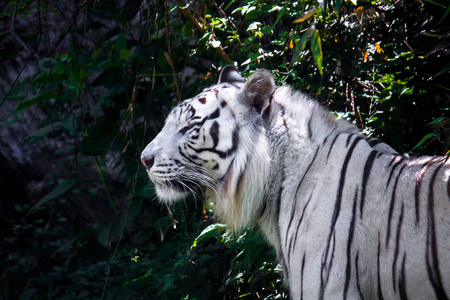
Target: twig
x: 202, y: 30
x: 224, y: 14
x: 350, y: 98
x: 168, y: 55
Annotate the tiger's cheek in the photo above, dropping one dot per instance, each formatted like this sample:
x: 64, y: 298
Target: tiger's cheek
x: 215, y: 146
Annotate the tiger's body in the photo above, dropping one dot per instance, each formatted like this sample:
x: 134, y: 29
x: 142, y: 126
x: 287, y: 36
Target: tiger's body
x: 348, y: 216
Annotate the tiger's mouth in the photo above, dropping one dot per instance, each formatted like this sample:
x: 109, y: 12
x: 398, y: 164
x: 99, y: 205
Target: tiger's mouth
x: 172, y: 190
x: 175, y: 185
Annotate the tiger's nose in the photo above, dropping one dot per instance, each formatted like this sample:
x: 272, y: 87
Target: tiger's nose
x: 147, y: 162
x: 151, y: 152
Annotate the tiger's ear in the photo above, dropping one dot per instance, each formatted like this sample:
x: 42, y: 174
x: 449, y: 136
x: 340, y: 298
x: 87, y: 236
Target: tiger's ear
x: 230, y: 74
x: 258, y: 90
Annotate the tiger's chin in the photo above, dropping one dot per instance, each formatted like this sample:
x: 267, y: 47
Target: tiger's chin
x: 169, y: 194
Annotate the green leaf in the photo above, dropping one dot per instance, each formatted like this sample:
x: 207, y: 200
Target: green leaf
x: 125, y: 53
x: 63, y: 186
x: 425, y: 138
x: 281, y: 13
x: 316, y: 48
x: 45, y: 131
x: 436, y: 3
x: 441, y: 121
x: 445, y: 69
x: 121, y: 42
x: 337, y: 5
x: 445, y: 14
x: 26, y: 104
x: 250, y: 12
x: 209, y: 232
x: 301, y: 45
x: 304, y: 39
x: 72, y: 124
x: 229, y: 4
x: 305, y: 16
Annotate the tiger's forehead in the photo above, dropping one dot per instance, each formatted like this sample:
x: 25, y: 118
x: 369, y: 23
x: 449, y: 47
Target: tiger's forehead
x: 209, y: 100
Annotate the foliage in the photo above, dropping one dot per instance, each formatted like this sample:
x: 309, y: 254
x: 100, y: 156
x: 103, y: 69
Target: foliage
x: 110, y: 75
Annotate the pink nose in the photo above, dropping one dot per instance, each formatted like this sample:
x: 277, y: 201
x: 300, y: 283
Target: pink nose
x: 148, y: 162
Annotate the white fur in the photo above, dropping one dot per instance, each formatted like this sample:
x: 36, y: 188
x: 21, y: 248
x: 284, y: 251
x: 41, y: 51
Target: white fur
x: 340, y: 209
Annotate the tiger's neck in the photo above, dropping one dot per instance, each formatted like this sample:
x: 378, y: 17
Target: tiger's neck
x: 295, y: 128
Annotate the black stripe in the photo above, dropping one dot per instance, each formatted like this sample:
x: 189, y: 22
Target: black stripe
x: 402, y: 281
x: 351, y: 231
x: 418, y: 186
x: 277, y: 212
x: 235, y: 141
x: 309, y: 124
x: 366, y: 174
x: 434, y: 272
x: 337, y: 209
x: 214, y: 115
x: 301, y: 278
x: 357, y: 275
x: 373, y: 142
x: 332, y: 131
x: 393, y: 168
x: 348, y: 139
x: 187, y: 157
x: 331, y: 146
x: 214, y: 133
x: 392, y: 206
x: 221, y: 154
x: 380, y: 292
x: 397, y: 248
x: 324, y: 282
x: 301, y: 219
x: 448, y: 188
x: 420, y: 175
x: 296, y: 194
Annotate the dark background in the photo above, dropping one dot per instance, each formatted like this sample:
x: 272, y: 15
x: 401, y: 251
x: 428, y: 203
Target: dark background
x: 85, y: 85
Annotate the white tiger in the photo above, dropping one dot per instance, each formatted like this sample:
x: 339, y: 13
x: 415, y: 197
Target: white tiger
x: 348, y: 216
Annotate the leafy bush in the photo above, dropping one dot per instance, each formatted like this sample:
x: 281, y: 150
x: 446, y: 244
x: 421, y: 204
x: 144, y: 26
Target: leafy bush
x: 108, y: 72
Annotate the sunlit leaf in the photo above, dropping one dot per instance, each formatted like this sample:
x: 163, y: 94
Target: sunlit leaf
x: 304, y: 39
x: 305, y: 16
x: 359, y: 11
x: 316, y: 48
x: 210, y: 231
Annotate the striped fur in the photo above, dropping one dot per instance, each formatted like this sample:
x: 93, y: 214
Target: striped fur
x: 348, y: 216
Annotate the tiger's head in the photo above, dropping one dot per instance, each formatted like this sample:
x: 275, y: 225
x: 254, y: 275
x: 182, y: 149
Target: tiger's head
x: 216, y: 140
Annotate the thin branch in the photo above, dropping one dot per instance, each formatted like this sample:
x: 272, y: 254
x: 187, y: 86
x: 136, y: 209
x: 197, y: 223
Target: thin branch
x: 168, y: 55
x: 202, y: 30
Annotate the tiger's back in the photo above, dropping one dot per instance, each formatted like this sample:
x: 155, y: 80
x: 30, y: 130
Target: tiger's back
x: 381, y: 231
x: 348, y: 216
